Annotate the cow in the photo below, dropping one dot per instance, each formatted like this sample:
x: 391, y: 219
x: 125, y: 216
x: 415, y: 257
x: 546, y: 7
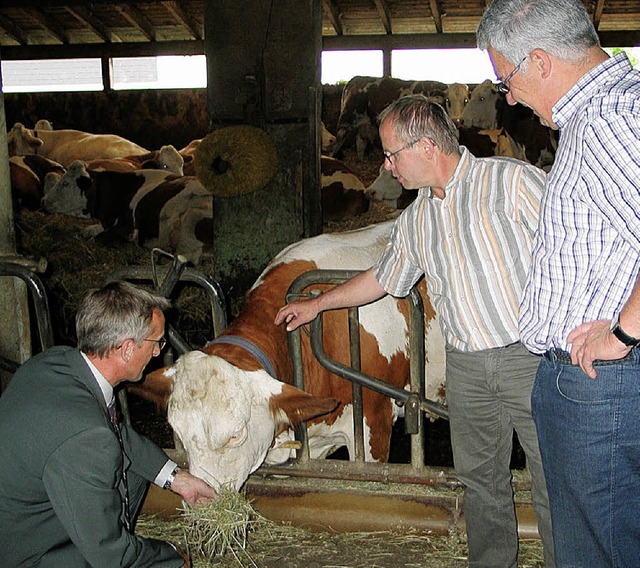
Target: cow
x: 65, y: 146
x: 327, y: 140
x: 389, y: 190
x: 232, y: 404
x: 364, y: 98
x: 167, y: 158
x: 27, y: 175
x: 489, y: 110
x: 343, y: 193
x: 456, y: 99
x: 155, y: 208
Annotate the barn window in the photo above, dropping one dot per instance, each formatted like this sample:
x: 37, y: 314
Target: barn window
x: 340, y: 66
x: 445, y: 65
x: 51, y: 75
x: 166, y: 72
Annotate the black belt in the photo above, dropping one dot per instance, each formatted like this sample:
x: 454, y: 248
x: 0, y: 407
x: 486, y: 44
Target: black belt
x: 563, y: 358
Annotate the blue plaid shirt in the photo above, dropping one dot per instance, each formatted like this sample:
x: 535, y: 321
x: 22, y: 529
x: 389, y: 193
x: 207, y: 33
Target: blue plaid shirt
x: 586, y: 255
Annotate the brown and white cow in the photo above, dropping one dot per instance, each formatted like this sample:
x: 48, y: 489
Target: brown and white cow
x: 343, y: 193
x: 65, y: 146
x: 364, y: 98
x: 232, y: 415
x: 27, y: 175
x: 153, y: 207
x: 489, y: 110
x: 389, y: 190
x: 457, y: 98
x: 167, y: 158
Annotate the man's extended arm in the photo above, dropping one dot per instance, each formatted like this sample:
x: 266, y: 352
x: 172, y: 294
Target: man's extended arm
x: 360, y: 290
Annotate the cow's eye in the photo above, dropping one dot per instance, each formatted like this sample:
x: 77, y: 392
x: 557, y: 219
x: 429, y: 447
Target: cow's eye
x: 238, y: 438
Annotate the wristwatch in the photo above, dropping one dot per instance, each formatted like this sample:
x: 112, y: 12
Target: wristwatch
x: 621, y: 335
x: 171, y: 478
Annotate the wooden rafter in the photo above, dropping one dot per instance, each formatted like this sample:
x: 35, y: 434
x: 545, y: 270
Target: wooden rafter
x: 435, y: 12
x: 334, y: 15
x: 176, y: 9
x: 13, y: 31
x: 86, y: 18
x: 49, y: 24
x: 136, y: 19
x: 385, y: 15
x: 597, y: 13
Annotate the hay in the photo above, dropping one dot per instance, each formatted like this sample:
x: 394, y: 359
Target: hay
x: 236, y: 160
x: 218, y: 529
x: 76, y: 263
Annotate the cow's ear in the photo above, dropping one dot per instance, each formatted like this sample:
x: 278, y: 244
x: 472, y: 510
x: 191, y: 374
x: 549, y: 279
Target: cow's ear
x: 294, y: 406
x: 155, y: 387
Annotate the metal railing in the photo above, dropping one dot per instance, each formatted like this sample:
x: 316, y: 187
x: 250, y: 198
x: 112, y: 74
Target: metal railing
x: 413, y: 400
x: 40, y: 306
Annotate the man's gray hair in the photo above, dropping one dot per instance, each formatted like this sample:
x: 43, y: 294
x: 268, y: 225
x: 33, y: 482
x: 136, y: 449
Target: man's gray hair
x: 514, y: 28
x: 109, y: 315
x: 416, y: 116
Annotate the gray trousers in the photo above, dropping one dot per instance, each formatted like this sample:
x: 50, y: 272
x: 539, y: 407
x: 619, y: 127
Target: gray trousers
x: 489, y: 395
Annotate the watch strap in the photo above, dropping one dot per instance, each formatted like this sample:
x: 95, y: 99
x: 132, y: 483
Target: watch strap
x: 172, y: 477
x: 622, y: 336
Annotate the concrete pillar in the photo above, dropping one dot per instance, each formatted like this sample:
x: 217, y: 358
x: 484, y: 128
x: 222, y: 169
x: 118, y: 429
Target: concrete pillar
x: 263, y: 69
x: 15, y: 336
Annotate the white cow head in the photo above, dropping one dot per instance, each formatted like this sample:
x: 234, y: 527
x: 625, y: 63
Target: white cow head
x: 228, y: 419
x: 169, y: 159
x: 482, y: 110
x: 385, y: 188
x: 21, y: 141
x: 68, y: 194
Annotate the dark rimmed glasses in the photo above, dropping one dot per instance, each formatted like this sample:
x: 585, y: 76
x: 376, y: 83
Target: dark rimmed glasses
x: 161, y: 342
x: 503, y: 86
x: 391, y: 155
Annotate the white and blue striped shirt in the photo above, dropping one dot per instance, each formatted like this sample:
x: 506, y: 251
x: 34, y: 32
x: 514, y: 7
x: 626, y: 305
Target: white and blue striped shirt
x: 473, y: 246
x: 586, y: 256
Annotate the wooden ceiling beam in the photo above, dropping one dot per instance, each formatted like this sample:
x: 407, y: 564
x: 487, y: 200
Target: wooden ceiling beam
x: 86, y: 18
x: 177, y: 10
x: 437, y: 17
x: 333, y: 13
x: 136, y: 19
x: 13, y: 31
x: 597, y: 13
x: 49, y: 24
x: 385, y: 15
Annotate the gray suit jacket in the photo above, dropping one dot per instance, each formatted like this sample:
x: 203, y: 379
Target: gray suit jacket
x: 60, y: 466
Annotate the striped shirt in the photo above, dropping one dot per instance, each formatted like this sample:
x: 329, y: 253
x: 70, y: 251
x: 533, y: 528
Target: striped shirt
x: 586, y: 255
x: 473, y: 247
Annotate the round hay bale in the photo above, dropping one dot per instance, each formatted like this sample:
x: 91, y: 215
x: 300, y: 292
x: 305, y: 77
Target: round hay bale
x: 236, y: 160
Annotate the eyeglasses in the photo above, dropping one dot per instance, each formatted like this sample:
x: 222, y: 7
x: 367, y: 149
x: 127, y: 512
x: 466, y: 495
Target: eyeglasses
x: 161, y: 342
x: 391, y: 155
x: 503, y: 86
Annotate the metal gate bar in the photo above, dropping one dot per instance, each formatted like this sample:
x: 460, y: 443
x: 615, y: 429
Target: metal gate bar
x: 413, y: 400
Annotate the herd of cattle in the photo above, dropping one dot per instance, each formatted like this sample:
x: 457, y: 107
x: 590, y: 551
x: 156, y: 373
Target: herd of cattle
x: 154, y: 198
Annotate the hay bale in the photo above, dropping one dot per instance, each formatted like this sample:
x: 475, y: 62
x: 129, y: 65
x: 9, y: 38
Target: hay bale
x: 236, y: 160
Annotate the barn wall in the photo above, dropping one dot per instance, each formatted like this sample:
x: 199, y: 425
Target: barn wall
x: 150, y: 118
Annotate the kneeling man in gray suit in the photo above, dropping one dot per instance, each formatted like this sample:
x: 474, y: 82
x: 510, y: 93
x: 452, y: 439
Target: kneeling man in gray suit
x: 72, y: 475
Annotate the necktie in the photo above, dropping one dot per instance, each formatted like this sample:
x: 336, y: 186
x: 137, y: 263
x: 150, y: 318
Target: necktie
x: 124, y: 491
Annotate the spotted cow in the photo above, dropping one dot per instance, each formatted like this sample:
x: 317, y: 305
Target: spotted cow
x: 167, y: 158
x: 489, y: 110
x: 28, y: 175
x: 364, y: 98
x: 155, y: 208
x: 343, y: 193
x: 232, y: 415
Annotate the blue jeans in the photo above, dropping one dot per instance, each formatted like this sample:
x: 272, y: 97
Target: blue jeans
x: 489, y: 396
x: 589, y: 433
